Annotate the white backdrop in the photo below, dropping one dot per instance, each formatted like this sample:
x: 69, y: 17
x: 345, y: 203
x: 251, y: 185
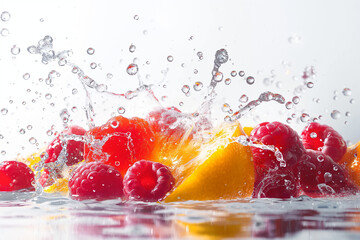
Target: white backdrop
x: 266, y: 39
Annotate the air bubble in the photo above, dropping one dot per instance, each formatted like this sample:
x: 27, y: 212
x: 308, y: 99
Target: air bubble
x: 241, y: 73
x: 227, y: 81
x: 5, y: 16
x: 74, y: 91
x: 289, y: 120
x: 327, y: 177
x: 136, y: 17
x: 289, y: 105
x: 93, y: 65
x: 233, y: 73
x: 109, y: 75
x: 310, y: 84
x: 346, y: 92
x: 132, y: 48
x: 90, y: 51
x: 250, y: 80
x: 305, y: 117
x: 22, y: 131
x: 335, y: 114
x: 296, y: 100
x: 49, y: 132
x: 4, y: 111
x: 243, y: 98
x: 225, y: 107
x: 48, y: 96
x: 218, y: 77
x: 185, y: 89
x: 121, y: 110
x: 4, y: 32
x: 198, y: 86
x: 26, y: 76
x: 170, y: 58
x: 15, y: 50
x: 32, y: 140
x: 132, y: 69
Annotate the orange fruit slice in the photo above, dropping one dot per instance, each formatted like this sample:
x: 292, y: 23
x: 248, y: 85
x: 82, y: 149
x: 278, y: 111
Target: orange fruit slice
x: 60, y: 186
x: 222, y: 170
x: 351, y: 161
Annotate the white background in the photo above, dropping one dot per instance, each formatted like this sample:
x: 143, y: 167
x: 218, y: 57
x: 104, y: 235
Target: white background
x: 263, y: 38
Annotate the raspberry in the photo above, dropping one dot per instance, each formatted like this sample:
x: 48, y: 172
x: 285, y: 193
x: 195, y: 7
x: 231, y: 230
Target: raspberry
x: 325, y: 139
x: 277, y: 134
x: 120, y: 142
x: 96, y: 181
x: 15, y: 176
x: 147, y: 181
x: 320, y: 176
x: 74, y: 149
x: 276, y: 184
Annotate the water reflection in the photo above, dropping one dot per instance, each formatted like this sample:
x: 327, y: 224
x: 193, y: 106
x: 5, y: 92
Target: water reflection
x: 60, y: 218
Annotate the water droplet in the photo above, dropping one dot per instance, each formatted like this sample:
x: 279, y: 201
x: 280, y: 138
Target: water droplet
x: 200, y: 55
x: 289, y: 120
x: 241, y: 73
x: 74, y: 109
x: 132, y: 48
x: 5, y: 16
x: 74, y: 91
x: 243, y: 98
x: 310, y: 84
x: 41, y: 20
x: 136, y: 17
x: 348, y: 114
x: 198, y: 86
x: 250, y: 80
x: 327, y: 177
x: 196, y: 71
x: 352, y: 101
x: 109, y: 75
x: 62, y: 62
x: 3, y: 152
x: 296, y: 100
x: 335, y: 114
x: 64, y: 115
x: 15, y: 50
x: 227, y: 81
x: 335, y: 98
x: 26, y: 76
x: 4, y: 32
x: 32, y: 140
x: 225, y: 107
x: 170, y: 58
x: 289, y: 105
x: 335, y: 168
x: 233, y: 73
x: 90, y: 51
x: 132, y: 69
x: 294, y: 39
x: 114, y: 124
x: 4, y: 111
x: 221, y: 56
x: 49, y: 132
x: 313, y: 135
x: 181, y: 104
x: 320, y: 158
x: 346, y: 92
x: 218, y: 77
x: 145, y: 32
x: 22, y: 131
x: 121, y: 110
x: 48, y: 96
x: 305, y: 117
x: 93, y: 65
x: 185, y: 89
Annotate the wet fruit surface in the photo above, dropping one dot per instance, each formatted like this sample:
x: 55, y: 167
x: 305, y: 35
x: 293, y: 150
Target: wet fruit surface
x: 120, y: 142
x: 15, y: 176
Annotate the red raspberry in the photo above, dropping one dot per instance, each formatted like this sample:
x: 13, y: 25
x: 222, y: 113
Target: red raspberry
x: 147, y: 181
x: 15, y: 176
x: 120, y: 142
x: 74, y: 149
x: 96, y: 181
x: 320, y: 176
x: 283, y: 137
x: 277, y: 184
x: 325, y: 139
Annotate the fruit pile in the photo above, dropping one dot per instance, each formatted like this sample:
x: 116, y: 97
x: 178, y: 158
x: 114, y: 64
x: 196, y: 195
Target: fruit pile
x: 169, y: 156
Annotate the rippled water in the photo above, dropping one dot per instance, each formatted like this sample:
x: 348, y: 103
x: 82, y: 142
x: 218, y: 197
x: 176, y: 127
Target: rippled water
x: 51, y: 217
